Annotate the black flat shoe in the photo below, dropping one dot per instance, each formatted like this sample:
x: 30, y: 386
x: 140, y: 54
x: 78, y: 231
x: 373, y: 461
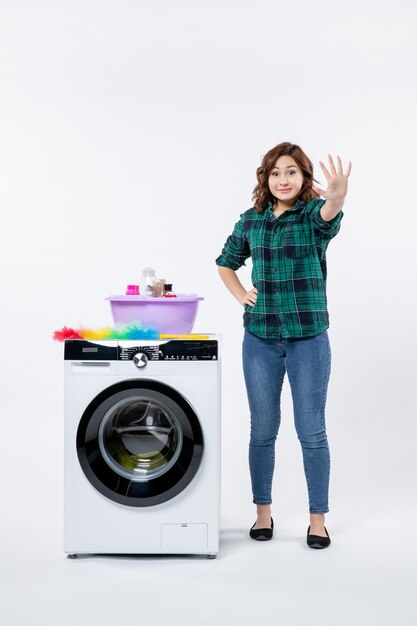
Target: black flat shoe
x: 262, y: 534
x: 315, y: 541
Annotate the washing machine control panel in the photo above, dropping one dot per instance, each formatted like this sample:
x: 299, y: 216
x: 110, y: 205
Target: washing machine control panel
x: 175, y: 350
x: 172, y: 350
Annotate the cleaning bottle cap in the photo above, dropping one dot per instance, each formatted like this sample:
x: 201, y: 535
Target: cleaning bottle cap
x: 132, y: 290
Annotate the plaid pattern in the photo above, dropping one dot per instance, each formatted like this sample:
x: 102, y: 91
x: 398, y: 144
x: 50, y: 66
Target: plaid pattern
x: 288, y: 268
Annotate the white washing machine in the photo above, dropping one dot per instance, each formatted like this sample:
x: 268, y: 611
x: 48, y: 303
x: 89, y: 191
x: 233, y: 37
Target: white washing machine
x: 142, y: 447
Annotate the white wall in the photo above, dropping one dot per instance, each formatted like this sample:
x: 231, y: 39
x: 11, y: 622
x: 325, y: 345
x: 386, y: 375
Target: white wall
x: 130, y: 136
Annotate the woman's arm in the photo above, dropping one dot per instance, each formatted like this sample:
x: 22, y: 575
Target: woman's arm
x: 236, y: 288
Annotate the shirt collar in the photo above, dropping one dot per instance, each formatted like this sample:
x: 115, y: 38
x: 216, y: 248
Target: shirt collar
x: 298, y: 205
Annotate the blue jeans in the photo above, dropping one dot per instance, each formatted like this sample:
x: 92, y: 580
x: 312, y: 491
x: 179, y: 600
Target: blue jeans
x: 307, y: 362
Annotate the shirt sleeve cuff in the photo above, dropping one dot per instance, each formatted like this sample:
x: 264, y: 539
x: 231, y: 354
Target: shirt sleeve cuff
x: 225, y: 261
x: 328, y: 228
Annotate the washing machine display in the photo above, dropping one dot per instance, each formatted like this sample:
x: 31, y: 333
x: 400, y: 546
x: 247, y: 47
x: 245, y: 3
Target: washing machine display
x: 139, y: 442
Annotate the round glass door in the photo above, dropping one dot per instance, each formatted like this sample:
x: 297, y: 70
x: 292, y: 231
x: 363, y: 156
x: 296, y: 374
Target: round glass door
x: 139, y: 443
x: 140, y: 438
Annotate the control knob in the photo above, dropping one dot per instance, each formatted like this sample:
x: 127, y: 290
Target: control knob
x: 140, y: 359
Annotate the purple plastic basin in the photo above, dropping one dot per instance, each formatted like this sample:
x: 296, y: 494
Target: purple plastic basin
x: 167, y: 315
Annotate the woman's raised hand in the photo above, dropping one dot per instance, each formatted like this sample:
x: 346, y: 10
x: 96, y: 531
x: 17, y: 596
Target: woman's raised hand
x: 337, y: 181
x: 250, y: 297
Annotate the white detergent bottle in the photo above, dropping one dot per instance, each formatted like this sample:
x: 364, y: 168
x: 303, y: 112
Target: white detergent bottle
x: 147, y: 281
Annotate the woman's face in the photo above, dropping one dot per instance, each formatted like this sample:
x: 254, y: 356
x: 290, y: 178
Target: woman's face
x: 285, y: 180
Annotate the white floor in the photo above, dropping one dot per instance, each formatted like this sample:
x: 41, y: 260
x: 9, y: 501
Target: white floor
x: 367, y: 576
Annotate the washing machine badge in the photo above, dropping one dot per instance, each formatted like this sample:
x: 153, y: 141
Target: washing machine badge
x: 140, y: 359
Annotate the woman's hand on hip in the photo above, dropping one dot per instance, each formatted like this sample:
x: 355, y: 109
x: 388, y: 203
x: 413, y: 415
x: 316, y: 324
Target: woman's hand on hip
x: 249, y: 297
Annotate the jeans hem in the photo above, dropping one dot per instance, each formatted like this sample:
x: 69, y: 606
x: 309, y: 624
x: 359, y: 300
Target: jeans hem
x: 261, y: 503
x: 315, y: 512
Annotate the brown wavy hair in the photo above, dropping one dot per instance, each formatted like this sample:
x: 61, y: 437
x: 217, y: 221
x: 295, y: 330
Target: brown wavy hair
x: 261, y: 193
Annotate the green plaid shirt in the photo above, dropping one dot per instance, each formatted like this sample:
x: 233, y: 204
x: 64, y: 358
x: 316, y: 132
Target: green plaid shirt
x: 288, y: 268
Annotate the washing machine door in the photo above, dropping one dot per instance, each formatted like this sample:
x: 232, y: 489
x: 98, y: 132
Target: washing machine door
x: 139, y: 442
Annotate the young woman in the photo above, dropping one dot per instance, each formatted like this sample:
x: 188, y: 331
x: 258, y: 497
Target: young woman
x: 286, y: 233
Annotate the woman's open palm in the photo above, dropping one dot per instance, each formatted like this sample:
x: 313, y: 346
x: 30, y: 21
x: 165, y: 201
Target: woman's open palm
x: 337, y: 182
